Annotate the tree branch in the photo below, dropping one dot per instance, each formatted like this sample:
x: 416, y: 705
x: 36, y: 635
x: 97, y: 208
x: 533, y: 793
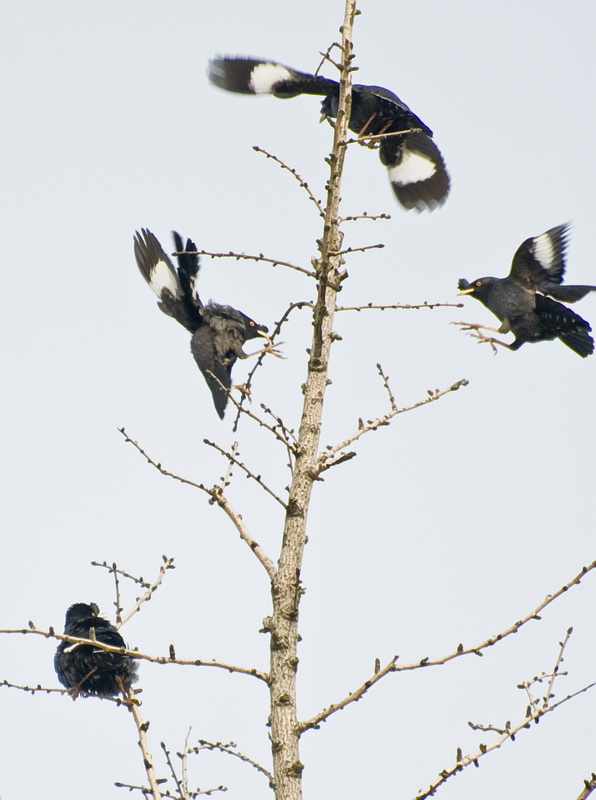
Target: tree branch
x: 171, y: 659
x: 257, y: 478
x: 408, y: 306
x: 393, y: 666
x: 230, y: 750
x: 373, y: 425
x: 275, y: 262
x: 217, y: 497
x: 303, y: 184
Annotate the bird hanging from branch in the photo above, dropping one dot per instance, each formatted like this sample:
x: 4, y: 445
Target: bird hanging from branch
x: 218, y: 331
x: 416, y: 168
x: 522, y: 300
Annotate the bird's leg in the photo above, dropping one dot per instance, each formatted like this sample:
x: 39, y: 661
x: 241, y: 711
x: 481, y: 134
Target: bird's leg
x: 270, y: 348
x: 244, y: 389
x: 362, y: 133
x: 473, y: 329
x: 129, y: 694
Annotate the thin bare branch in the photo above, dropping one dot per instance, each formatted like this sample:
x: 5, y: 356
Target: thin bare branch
x: 182, y: 789
x: 142, y: 727
x: 373, y: 425
x: 408, y: 306
x: 33, y: 689
x: 218, y: 497
x: 359, y: 249
x: 353, y: 697
x: 230, y: 749
x: 509, y: 734
x: 369, y: 141
x: 275, y: 262
x: 556, y: 671
x: 589, y: 787
x: 114, y: 568
x: 303, y: 184
x: 276, y: 332
x: 249, y: 474
x: 364, y: 215
x: 460, y: 651
x: 168, y: 563
x: 51, y: 634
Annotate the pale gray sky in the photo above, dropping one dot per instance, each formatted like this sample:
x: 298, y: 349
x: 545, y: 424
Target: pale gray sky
x: 448, y: 527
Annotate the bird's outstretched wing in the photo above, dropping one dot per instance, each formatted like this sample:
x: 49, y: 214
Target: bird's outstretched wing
x: 539, y: 264
x: 174, y: 290
x: 416, y: 169
x: 255, y: 76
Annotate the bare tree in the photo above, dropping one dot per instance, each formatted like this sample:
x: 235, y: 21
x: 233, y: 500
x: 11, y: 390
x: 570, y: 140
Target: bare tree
x: 307, y: 462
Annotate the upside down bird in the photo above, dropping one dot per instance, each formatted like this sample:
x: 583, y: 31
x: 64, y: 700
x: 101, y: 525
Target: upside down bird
x: 86, y: 668
x: 522, y: 300
x: 416, y: 168
x: 218, y: 332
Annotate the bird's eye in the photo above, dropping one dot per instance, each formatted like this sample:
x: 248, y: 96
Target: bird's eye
x: 252, y: 324
x: 478, y: 283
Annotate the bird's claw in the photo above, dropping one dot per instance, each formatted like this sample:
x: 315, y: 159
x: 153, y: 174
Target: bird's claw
x: 474, y: 330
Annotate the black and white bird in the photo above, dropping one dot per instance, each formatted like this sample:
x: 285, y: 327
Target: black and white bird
x: 218, y: 332
x: 522, y: 300
x: 416, y: 168
x: 89, y: 669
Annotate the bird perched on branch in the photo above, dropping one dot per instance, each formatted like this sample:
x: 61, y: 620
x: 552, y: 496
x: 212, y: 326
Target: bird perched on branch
x: 218, y: 332
x: 416, y: 167
x: 89, y: 669
x: 522, y: 300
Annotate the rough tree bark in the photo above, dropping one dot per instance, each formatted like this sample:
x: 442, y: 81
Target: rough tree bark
x: 286, y: 589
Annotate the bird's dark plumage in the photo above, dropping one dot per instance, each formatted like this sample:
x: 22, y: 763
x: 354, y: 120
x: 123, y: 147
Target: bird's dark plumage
x: 218, y: 332
x: 522, y: 300
x: 89, y: 669
x: 416, y: 168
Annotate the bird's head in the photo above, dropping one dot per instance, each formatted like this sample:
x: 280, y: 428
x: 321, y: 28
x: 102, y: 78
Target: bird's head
x: 330, y: 105
x: 478, y: 288
x: 80, y: 611
x: 253, y: 329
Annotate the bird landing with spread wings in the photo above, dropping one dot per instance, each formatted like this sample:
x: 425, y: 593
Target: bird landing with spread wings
x: 218, y: 332
x: 522, y: 300
x: 416, y: 168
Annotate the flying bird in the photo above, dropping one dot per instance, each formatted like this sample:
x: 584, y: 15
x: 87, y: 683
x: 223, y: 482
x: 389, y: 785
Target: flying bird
x: 416, y: 168
x: 218, y: 332
x: 89, y: 669
x: 522, y: 300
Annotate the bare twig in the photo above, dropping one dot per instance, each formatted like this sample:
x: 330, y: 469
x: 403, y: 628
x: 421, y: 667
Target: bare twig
x: 315, y: 721
x: 168, y: 563
x: 364, y: 215
x: 373, y: 425
x: 589, y: 787
x: 217, y: 497
x: 303, y: 184
x: 249, y: 474
x: 180, y: 785
x: 230, y: 749
x: 142, y: 727
x: 460, y: 651
x: 114, y: 568
x: 275, y: 262
x: 51, y: 634
x: 276, y: 332
x: 359, y: 249
x: 533, y: 713
x: 365, y: 140
x: 33, y: 689
x: 408, y: 306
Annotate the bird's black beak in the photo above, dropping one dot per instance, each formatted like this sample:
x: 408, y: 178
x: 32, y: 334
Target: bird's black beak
x: 466, y: 291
